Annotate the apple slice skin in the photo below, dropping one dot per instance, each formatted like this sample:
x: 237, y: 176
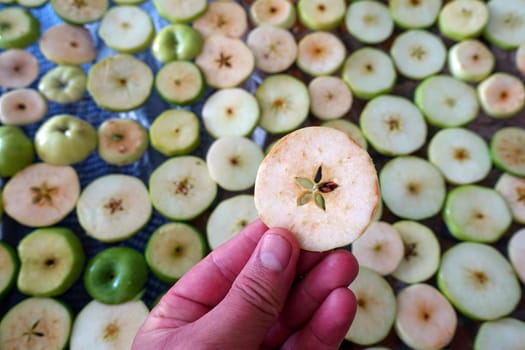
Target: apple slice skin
x: 7, y: 252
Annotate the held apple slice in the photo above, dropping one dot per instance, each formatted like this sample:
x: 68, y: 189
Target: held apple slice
x: 319, y: 184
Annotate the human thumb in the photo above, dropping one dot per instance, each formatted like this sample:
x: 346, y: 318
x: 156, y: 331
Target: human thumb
x: 259, y: 292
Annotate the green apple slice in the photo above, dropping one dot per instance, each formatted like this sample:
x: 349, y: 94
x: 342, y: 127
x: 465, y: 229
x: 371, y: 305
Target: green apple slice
x: 349, y: 128
x: 9, y: 266
x: 126, y: 28
x: 51, y: 261
x: 180, y: 11
x: 233, y: 162
x: 18, y: 68
x: 230, y: 112
x: 369, y: 21
x: 422, y: 252
x: 180, y: 83
x: 175, y: 132
x: 68, y: 44
x: 278, y: 13
x: 32, y: 3
x: 501, y: 95
x: 284, y: 103
x: 101, y: 326
x: 176, y: 42
x: 16, y: 151
x: 425, y: 319
x: 462, y: 155
x: 463, y: 19
x: 512, y: 189
x: 121, y: 141
x: 380, y: 248
x: 516, y: 253
x: 505, y: 333
x: 376, y: 308
x: 520, y: 58
x: 321, y: 14
x: 411, y: 14
x: 320, y: 53
x: 181, y: 188
x: 41, y: 194
x: 80, y: 12
x: 18, y: 28
x: 506, y: 147
x: 114, y: 207
x: 22, y: 107
x: 63, y: 84
x: 418, y: 54
x: 369, y: 72
x: 506, y: 25
x: 226, y: 18
x: 226, y: 62
x: 476, y: 213
x: 446, y: 101
x: 470, y: 60
x: 120, y: 83
x: 393, y: 125
x: 274, y: 48
x: 173, y: 249
x: 230, y: 217
x: 331, y: 97
x: 478, y: 280
x: 36, y: 323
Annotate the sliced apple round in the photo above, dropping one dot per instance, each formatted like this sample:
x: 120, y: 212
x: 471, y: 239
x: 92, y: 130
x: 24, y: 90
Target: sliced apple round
x: 80, y: 12
x: 68, y: 44
x: 505, y: 333
x: 226, y: 18
x: 463, y: 19
x: 22, y: 106
x: 369, y: 21
x: 470, y: 60
x: 507, y: 147
x: 278, y: 13
x: 506, y: 25
x: 321, y: 14
x: 121, y: 141
x: 9, y: 265
x: 18, y: 68
x: 320, y: 53
x: 512, y: 189
x: 274, y: 48
x: 180, y: 83
x: 175, y: 132
x: 516, y: 253
x: 501, y: 95
x: 414, y: 13
x: 180, y: 11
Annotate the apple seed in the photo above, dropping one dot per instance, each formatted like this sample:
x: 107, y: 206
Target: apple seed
x: 114, y: 205
x: 43, y: 195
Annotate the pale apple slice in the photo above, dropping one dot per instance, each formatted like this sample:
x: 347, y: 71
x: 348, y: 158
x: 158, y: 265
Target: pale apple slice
x: 512, y: 189
x: 425, y: 319
x: 63, y: 84
x: 114, y: 207
x: 68, y: 44
x: 349, y: 128
x: 414, y: 13
x: 321, y: 14
x: 320, y: 53
x: 520, y: 58
x: 121, y: 141
x: 516, y: 253
x: 175, y: 132
x: 326, y: 192
x: 109, y: 327
x: 80, y: 12
x: 506, y: 25
x: 463, y: 19
x: 501, y: 95
x: 330, y: 97
x: 505, y: 333
x: 18, y: 68
x: 230, y: 217
x: 180, y: 11
x: 36, y: 323
x: 22, y: 107
x: 369, y: 21
x: 32, y: 3
x: 180, y: 83
x: 507, y: 147
x: 41, y: 194
x: 274, y: 48
x: 278, y: 13
x: 223, y: 18
x: 470, y: 60
x: 9, y: 266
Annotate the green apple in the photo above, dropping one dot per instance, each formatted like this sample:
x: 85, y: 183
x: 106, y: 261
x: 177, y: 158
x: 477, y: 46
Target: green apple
x: 18, y: 28
x: 63, y: 84
x: 51, y: 260
x: 65, y: 139
x: 180, y: 11
x: 177, y: 42
x: 16, y: 150
x: 116, y: 275
x: 9, y: 265
x: 122, y: 141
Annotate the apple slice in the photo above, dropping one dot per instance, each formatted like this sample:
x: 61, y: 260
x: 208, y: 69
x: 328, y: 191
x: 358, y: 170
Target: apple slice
x: 512, y: 189
x: 32, y: 3
x: 506, y: 147
x: 376, y: 308
x: 175, y: 132
x: 274, y: 48
x: 278, y: 13
x: 425, y: 319
x: 463, y: 19
x: 520, y: 58
x: 181, y: 188
x: 478, y: 280
x: 180, y: 11
x: 501, y: 95
x: 36, y: 323
x: 63, y: 84
x: 411, y: 14
x: 9, y: 267
x: 121, y: 141
x: 516, y: 253
x: 41, y: 194
x: 230, y: 217
x: 18, y: 28
x: 176, y: 42
x: 120, y: 82
x: 110, y: 327
x: 22, y: 107
x: 380, y: 248
x: 18, y: 68
x: 470, y: 60
x: 233, y: 162
x: 331, y: 97
x: 320, y: 53
x: 476, y: 213
x: 180, y: 83
x: 173, y: 249
x: 223, y: 18
x: 326, y: 193
x: 422, y: 252
x: 369, y: 21
x: 506, y: 25
x: 51, y: 261
x: 80, y: 12
x: 505, y: 333
x: 68, y: 44
x: 321, y: 14
x: 114, y: 207
x: 349, y: 128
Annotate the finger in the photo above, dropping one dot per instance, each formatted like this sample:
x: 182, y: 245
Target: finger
x: 307, y: 260
x: 328, y: 326
x: 338, y: 269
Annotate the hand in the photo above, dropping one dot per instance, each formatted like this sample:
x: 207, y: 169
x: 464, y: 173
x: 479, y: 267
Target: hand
x: 248, y: 294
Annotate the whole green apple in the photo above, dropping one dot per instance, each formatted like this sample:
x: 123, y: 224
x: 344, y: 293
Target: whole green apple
x: 116, y: 275
x: 177, y: 42
x: 16, y: 150
x: 65, y: 139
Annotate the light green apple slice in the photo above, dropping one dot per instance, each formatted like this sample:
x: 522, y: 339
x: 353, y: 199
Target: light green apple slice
x: 320, y: 53
x: 51, y: 261
x: 349, y: 128
x: 175, y: 132
x: 331, y: 97
x: 63, y: 84
x: 181, y: 188
x: 411, y: 14
x: 470, y: 60
x: 506, y: 25
x: 36, y: 323
x: 278, y: 13
x: 68, y: 44
x: 274, y: 48
x: 506, y: 147
x: 180, y: 11
x: 478, y: 280
x: 173, y: 249
x: 230, y: 217
x: 9, y: 265
x: 516, y: 253
x: 180, y: 83
x: 32, y: 3
x: 512, y: 188
x: 501, y: 95
x: 18, y: 28
x: 369, y: 21
x: 80, y: 12
x: 121, y: 141
x: 505, y: 333
x: 126, y: 29
x: 463, y: 19
x: 476, y: 213
x: 321, y: 14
